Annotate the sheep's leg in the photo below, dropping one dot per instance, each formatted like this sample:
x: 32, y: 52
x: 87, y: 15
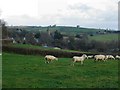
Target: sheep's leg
x: 73, y: 63
x: 51, y: 61
x: 103, y: 60
x: 99, y: 60
x: 81, y: 62
x: 46, y: 61
x: 95, y: 60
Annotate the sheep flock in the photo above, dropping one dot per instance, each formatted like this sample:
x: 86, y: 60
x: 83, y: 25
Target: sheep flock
x: 50, y: 58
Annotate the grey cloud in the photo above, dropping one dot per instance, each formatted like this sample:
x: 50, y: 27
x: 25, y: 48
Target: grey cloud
x: 97, y: 18
x: 22, y: 20
x: 0, y: 12
x: 80, y: 6
x: 28, y: 20
x: 102, y: 19
x: 108, y: 15
x: 61, y: 20
x: 91, y: 24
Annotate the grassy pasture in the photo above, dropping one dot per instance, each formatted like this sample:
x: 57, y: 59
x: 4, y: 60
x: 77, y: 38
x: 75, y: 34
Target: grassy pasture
x: 105, y: 37
x: 63, y: 29
x: 20, y: 71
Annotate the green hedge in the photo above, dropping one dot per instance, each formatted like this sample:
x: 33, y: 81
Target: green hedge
x: 41, y: 52
x: 30, y: 51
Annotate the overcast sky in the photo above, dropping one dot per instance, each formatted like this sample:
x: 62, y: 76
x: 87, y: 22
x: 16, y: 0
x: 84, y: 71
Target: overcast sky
x: 86, y: 13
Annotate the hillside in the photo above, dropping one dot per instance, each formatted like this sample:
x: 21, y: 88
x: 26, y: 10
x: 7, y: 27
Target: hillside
x: 64, y: 29
x: 105, y: 37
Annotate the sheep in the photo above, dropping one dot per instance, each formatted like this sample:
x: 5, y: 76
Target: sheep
x: 49, y: 58
x: 79, y: 59
x: 117, y: 57
x: 106, y: 57
x: 100, y: 57
x: 57, y: 48
x: 109, y: 57
x: 91, y: 56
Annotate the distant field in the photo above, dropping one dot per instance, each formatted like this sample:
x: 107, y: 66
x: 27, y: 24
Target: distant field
x: 105, y: 37
x: 20, y: 71
x: 72, y: 31
x: 68, y: 30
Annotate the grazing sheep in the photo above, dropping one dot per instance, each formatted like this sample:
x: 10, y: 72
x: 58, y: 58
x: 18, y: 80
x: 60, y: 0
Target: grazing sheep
x: 109, y: 57
x: 57, y: 48
x: 100, y: 57
x: 79, y: 59
x: 89, y: 57
x: 49, y: 58
x: 117, y: 57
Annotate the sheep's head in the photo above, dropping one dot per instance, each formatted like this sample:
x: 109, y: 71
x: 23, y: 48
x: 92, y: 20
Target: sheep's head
x: 106, y: 57
x: 56, y: 59
x: 85, y: 56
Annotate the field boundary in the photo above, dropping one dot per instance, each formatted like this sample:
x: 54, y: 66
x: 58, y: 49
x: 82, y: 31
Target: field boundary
x: 31, y: 51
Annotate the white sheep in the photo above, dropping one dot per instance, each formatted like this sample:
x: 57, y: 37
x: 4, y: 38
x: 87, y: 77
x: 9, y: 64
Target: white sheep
x: 57, y: 48
x: 100, y: 57
x: 109, y: 57
x: 79, y: 59
x: 49, y: 58
x: 91, y: 56
x: 117, y: 57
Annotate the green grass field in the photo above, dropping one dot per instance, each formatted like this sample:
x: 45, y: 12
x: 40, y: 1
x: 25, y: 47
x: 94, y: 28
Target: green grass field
x: 105, y: 37
x: 20, y: 71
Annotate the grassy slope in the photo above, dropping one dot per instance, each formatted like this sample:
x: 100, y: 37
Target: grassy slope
x: 31, y: 72
x: 106, y: 37
x: 64, y: 29
x: 73, y: 31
